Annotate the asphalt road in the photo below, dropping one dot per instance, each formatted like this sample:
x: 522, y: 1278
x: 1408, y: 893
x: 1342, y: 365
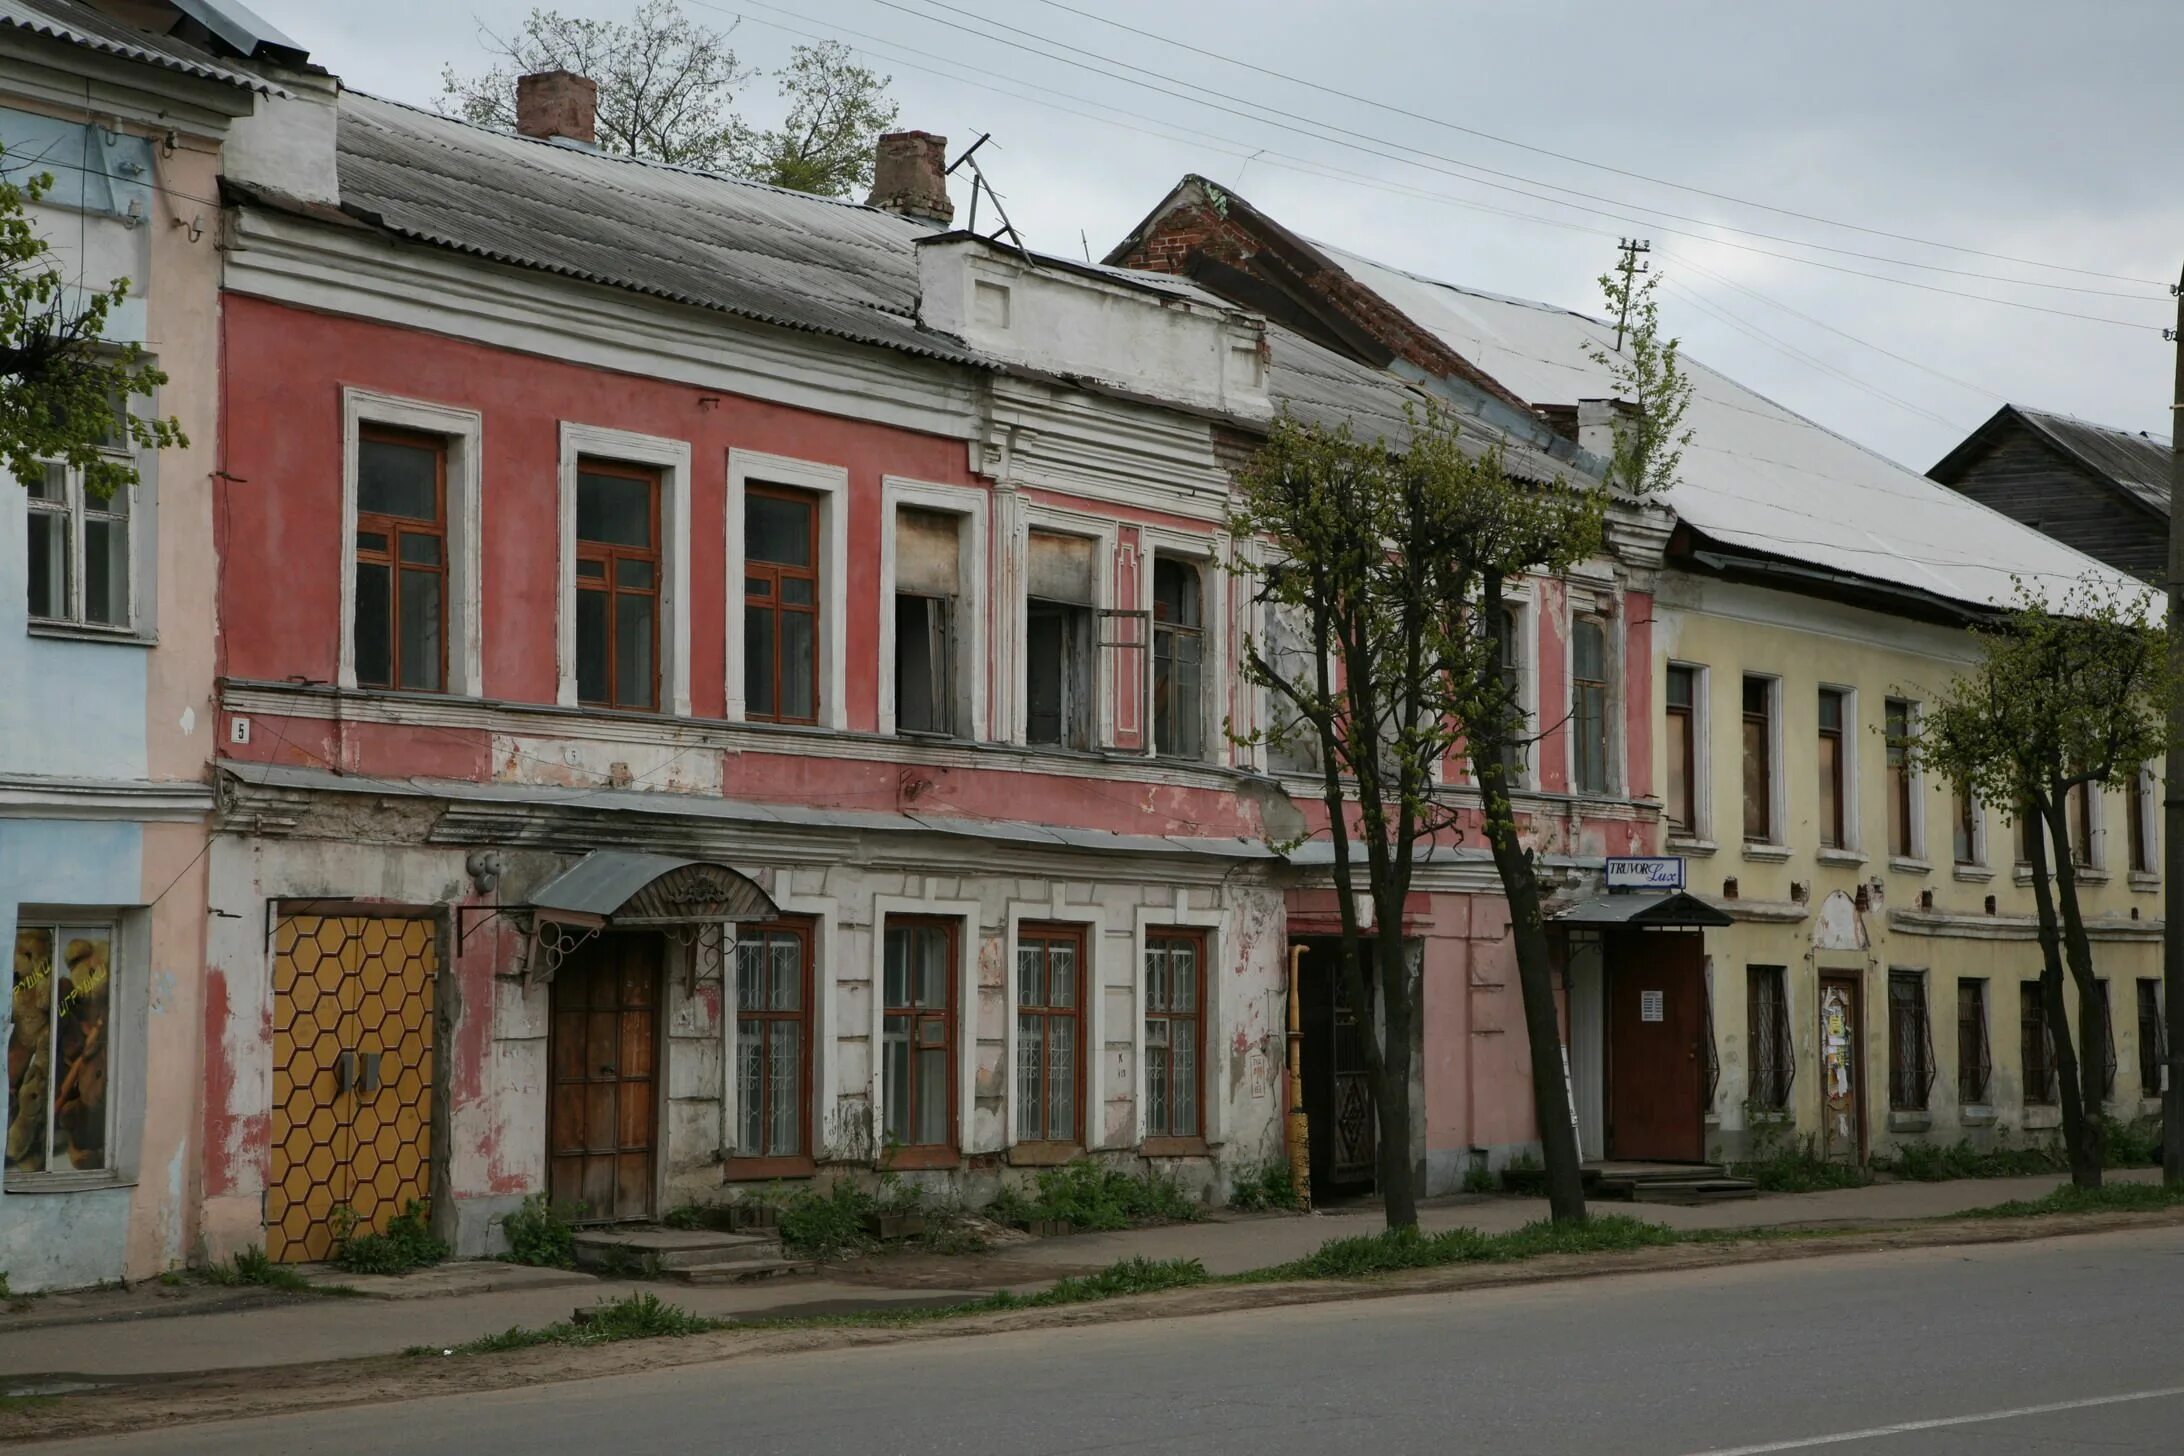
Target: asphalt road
x: 2066, y: 1345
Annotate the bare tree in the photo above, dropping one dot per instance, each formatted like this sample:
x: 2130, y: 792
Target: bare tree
x: 668, y: 88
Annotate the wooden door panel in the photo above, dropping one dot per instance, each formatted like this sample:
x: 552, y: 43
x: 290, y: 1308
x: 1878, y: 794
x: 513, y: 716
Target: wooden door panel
x: 1842, y: 1070
x: 1656, y: 1065
x: 603, y: 1123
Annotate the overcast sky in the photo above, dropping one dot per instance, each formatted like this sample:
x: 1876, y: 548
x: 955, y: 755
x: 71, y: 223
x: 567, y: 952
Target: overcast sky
x: 2035, y: 131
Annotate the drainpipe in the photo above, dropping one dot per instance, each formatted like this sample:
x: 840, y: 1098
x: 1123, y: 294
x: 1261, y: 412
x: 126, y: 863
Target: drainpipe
x: 1298, y: 1130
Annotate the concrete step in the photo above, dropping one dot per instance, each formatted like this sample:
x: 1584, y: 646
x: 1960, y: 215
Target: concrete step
x: 645, y: 1247
x: 1687, y: 1191
x: 740, y: 1271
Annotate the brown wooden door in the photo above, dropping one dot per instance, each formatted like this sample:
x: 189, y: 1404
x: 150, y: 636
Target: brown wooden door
x: 602, y: 1121
x: 1842, y: 1070
x: 1656, y: 1064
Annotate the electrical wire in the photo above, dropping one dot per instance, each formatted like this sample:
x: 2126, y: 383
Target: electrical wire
x: 1337, y: 134
x: 1393, y: 109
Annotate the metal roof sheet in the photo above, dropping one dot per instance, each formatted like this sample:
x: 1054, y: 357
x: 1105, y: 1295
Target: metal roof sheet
x: 1756, y: 475
x: 2136, y: 461
x: 79, y: 24
x: 1674, y: 908
x: 781, y: 257
x: 603, y: 881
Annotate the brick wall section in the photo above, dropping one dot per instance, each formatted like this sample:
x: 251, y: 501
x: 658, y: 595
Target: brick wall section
x: 1190, y: 228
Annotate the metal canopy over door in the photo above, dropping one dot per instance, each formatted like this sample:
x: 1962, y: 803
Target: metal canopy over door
x: 602, y: 1119
x: 1842, y: 1071
x: 351, y: 1129
x: 1656, y: 1060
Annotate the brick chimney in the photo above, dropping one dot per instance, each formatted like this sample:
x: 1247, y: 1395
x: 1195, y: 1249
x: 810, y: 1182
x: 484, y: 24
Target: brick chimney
x: 553, y: 104
x: 909, y: 177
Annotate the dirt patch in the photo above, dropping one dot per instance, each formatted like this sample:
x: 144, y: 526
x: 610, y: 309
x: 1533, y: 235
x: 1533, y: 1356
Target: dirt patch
x: 242, y: 1394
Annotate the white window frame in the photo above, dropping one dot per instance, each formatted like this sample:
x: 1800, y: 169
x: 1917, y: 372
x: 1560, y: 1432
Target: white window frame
x: 2149, y: 847
x: 1702, y: 743
x: 463, y: 433
x: 1979, y: 860
x: 1777, y: 771
x: 971, y: 506
x: 1582, y: 605
x: 1204, y: 554
x: 1101, y: 531
x: 968, y: 946
x: 1915, y: 789
x: 123, y: 1043
x: 672, y: 459
x: 1091, y: 1016
x: 830, y: 483
x: 1853, y: 826
x: 1213, y: 1116
x: 823, y: 914
x: 73, y: 509
x: 1265, y: 701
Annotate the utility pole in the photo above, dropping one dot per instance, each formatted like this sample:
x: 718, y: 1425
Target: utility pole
x: 2172, y: 794
x: 1630, y: 268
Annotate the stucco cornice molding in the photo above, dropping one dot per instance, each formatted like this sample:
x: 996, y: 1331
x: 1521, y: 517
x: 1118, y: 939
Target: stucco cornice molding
x: 1760, y: 912
x: 1942, y: 923
x: 348, y: 271
x: 148, y: 801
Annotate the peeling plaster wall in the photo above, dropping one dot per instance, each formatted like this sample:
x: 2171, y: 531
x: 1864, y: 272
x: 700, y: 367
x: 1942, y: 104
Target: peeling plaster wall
x: 492, y: 1057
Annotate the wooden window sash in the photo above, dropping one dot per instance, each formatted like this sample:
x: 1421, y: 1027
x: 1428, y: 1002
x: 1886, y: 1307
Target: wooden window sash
x: 1195, y: 1017
x: 1975, y: 1060
x: 774, y: 573
x: 1685, y: 815
x: 395, y: 528
x: 1051, y: 1019
x: 928, y: 1155
x: 1831, y: 829
x: 768, y: 1162
x: 1761, y: 749
x: 610, y: 557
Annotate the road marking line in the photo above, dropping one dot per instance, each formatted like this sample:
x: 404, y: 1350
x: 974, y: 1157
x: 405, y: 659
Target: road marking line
x: 1903, y: 1427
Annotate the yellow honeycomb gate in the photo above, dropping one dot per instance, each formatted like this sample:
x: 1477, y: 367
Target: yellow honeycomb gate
x: 352, y: 1078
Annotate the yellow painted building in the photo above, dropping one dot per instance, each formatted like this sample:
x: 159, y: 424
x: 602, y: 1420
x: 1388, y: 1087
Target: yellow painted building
x: 1874, y: 986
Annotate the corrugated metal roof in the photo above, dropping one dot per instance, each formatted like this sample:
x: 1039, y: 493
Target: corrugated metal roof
x: 78, y: 24
x: 780, y: 257
x: 2136, y: 461
x: 1756, y: 475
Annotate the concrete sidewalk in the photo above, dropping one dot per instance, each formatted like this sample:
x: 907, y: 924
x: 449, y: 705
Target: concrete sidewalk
x: 38, y: 1349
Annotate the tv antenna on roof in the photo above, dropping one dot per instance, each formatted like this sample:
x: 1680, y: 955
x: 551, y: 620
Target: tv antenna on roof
x: 980, y: 184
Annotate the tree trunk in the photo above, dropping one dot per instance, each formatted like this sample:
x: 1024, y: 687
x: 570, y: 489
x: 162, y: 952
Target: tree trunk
x: 1400, y: 999
x: 2092, y: 1034
x: 2085, y: 1163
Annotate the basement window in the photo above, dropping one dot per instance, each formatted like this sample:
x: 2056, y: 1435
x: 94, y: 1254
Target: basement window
x: 1059, y: 641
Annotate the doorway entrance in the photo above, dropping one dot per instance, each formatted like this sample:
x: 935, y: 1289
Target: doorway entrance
x: 1338, y: 1094
x: 351, y: 1129
x: 1842, y: 1071
x: 603, y: 1113
x: 1656, y: 1046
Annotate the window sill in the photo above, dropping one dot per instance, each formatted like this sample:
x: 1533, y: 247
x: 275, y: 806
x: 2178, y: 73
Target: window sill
x: 921, y: 1158
x: 1700, y: 847
x: 1769, y: 1117
x: 1910, y: 1121
x: 1904, y: 865
x: 2145, y: 881
x: 1041, y: 1155
x: 1846, y: 858
x: 69, y: 1182
x: 1769, y: 853
x: 2088, y: 875
x: 748, y: 1170
x: 78, y: 632
x: 1173, y: 1147
x: 1972, y: 874
x: 1975, y: 1114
